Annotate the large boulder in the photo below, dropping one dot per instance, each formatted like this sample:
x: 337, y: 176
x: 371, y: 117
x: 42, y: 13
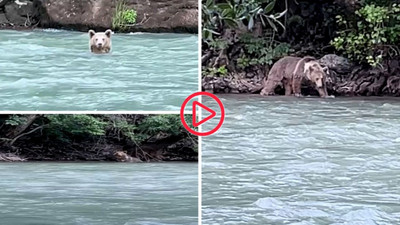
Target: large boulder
x: 3, y: 2
x: 79, y: 14
x: 152, y: 15
x: 21, y: 12
x: 166, y: 15
x: 337, y: 63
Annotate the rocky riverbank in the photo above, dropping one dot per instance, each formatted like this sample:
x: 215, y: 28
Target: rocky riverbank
x: 152, y: 15
x: 114, y: 138
x: 345, y: 79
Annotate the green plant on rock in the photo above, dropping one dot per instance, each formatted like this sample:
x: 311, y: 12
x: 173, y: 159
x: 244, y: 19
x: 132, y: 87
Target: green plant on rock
x: 123, y: 16
x: 129, y: 16
x: 372, y: 37
x: 221, y: 71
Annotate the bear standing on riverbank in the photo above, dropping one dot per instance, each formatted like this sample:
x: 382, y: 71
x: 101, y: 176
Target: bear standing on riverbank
x: 100, y: 43
x: 291, y: 71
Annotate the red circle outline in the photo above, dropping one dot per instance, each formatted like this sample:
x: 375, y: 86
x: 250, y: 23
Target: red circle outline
x: 221, y: 106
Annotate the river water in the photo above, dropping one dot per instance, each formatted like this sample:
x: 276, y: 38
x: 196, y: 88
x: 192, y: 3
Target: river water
x: 98, y: 193
x: 282, y: 160
x: 54, y: 70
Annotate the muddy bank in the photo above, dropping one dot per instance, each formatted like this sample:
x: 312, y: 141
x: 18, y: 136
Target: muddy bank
x: 345, y: 79
x: 152, y: 16
x: 120, y: 138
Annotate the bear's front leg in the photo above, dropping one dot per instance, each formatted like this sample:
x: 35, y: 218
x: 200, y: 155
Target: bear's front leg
x: 269, y: 87
x: 297, y: 88
x: 266, y: 92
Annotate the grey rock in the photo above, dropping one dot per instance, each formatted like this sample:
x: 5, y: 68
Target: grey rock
x: 152, y: 15
x: 337, y: 63
x: 21, y: 12
x: 3, y: 19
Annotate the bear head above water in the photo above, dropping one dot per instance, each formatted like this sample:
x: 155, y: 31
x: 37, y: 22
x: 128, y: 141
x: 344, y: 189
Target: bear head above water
x: 100, y: 43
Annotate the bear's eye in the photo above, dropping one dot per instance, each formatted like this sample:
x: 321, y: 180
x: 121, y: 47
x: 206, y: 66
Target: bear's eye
x: 97, y: 39
x: 103, y: 39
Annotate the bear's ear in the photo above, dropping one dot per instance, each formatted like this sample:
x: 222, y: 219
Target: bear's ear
x: 91, y: 33
x: 108, y: 33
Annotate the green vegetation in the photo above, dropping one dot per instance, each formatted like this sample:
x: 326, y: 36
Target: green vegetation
x: 66, y: 127
x: 123, y: 16
x: 83, y: 135
x: 252, y: 25
x: 220, y: 71
x: 245, y: 36
x: 371, y: 36
x: 238, y: 14
x: 261, y: 51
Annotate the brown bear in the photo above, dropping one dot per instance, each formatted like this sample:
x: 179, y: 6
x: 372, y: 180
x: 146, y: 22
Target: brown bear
x: 100, y: 43
x: 121, y: 156
x: 291, y: 72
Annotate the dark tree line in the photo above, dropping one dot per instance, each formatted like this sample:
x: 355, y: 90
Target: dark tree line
x: 130, y: 138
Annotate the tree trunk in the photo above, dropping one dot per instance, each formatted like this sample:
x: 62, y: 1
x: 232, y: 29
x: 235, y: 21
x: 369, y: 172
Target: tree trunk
x: 23, y: 127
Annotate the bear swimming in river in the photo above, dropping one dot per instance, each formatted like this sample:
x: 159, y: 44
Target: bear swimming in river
x: 100, y: 43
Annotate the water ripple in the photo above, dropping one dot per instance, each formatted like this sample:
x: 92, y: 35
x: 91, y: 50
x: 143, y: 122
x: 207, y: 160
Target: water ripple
x: 53, y: 70
x: 303, y: 161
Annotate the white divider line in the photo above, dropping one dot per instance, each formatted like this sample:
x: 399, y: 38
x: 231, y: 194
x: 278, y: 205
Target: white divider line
x: 199, y: 114
x: 95, y: 112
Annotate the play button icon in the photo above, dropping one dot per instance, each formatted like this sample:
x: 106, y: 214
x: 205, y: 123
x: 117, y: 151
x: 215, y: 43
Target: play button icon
x: 206, y: 111
x: 194, y: 115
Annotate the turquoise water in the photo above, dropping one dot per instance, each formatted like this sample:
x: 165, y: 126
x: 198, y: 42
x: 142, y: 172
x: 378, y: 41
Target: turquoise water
x: 54, y: 70
x: 98, y: 194
x: 282, y: 160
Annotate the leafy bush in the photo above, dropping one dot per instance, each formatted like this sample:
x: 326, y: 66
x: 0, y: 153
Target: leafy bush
x: 129, y: 16
x: 238, y: 13
x: 150, y: 126
x: 261, y: 51
x: 129, y: 130
x: 123, y: 16
x: 372, y: 36
x: 64, y: 126
x: 15, y: 120
x: 241, y: 17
